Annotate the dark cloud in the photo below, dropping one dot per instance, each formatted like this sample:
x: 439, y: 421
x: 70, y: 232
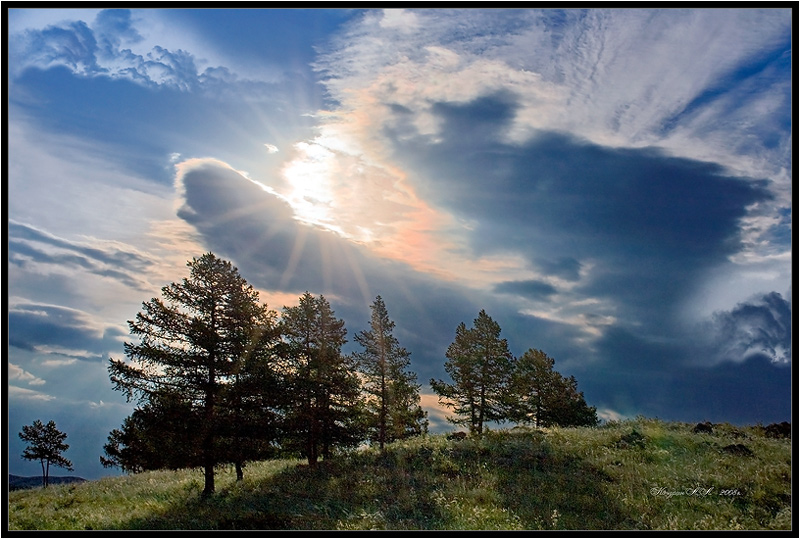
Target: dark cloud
x: 634, y: 229
x: 71, y: 333
x: 532, y: 289
x: 748, y: 392
x: 649, y: 224
x: 756, y: 390
x: 565, y: 267
x: 735, y: 368
x: 762, y: 327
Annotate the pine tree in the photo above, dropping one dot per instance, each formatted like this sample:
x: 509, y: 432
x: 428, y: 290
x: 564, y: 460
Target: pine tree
x: 392, y: 390
x: 324, y: 411
x: 163, y: 433
x: 45, y: 444
x: 194, y: 341
x: 479, y: 363
x: 543, y: 397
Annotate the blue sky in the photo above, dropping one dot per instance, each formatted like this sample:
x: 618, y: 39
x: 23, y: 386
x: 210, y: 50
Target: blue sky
x: 612, y: 186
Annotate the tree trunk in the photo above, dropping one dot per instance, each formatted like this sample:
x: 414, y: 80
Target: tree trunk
x: 208, y: 439
x: 311, y: 453
x: 382, y: 429
x: 483, y: 406
x: 239, y: 471
x: 44, y: 475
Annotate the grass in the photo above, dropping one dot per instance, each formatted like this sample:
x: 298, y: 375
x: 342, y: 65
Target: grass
x: 639, y: 474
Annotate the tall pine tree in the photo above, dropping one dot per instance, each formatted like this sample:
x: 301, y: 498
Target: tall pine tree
x: 324, y: 410
x: 193, y: 342
x: 480, y: 365
x: 392, y: 390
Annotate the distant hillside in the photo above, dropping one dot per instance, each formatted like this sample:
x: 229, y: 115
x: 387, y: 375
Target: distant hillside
x: 18, y: 482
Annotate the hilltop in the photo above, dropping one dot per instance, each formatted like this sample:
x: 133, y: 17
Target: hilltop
x: 19, y: 482
x: 639, y: 474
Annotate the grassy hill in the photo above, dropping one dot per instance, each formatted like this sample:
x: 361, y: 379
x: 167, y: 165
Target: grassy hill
x: 640, y: 474
x: 17, y: 482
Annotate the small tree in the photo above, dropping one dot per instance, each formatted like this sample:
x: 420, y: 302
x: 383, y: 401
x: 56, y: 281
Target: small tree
x: 543, y: 397
x: 392, y: 390
x: 45, y: 444
x: 479, y: 363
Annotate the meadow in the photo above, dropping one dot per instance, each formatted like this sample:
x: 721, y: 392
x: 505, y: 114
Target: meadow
x: 642, y: 474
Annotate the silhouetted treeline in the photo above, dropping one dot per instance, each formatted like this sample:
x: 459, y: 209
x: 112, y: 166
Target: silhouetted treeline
x: 221, y: 378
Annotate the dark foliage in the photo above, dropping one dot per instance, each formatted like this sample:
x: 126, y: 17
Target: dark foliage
x: 203, y: 337
x: 45, y: 444
x: 541, y: 396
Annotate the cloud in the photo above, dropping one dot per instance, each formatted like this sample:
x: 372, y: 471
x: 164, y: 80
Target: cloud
x: 60, y: 331
x: 631, y: 227
x: 15, y: 372
x: 15, y: 393
x: 29, y: 245
x: 105, y: 48
x: 707, y: 85
x: 533, y: 289
x: 762, y: 327
x: 271, y: 148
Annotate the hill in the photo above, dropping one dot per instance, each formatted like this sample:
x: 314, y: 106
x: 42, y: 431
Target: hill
x: 642, y: 474
x: 18, y: 482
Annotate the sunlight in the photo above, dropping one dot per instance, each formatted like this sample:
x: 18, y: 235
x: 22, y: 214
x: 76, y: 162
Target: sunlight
x: 311, y: 192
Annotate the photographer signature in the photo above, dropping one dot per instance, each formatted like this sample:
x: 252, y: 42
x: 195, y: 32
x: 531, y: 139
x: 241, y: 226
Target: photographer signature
x: 699, y: 492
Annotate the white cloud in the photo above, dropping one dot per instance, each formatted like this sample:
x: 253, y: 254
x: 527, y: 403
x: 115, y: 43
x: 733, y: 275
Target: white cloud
x: 15, y: 392
x: 142, y: 46
x: 402, y: 19
x: 271, y: 148
x: 15, y: 372
x: 612, y: 76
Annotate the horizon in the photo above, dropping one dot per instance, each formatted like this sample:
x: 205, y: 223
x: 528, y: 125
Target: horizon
x: 614, y: 187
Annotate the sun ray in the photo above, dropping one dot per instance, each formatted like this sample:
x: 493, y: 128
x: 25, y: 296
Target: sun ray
x: 294, y: 258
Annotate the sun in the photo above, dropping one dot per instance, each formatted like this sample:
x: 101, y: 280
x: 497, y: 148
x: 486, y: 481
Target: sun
x: 311, y: 191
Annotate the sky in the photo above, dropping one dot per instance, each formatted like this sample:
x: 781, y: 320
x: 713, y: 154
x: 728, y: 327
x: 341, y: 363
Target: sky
x: 613, y: 187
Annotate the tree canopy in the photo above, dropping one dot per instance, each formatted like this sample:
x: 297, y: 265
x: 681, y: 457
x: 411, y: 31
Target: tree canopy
x: 45, y: 444
x: 195, y: 341
x: 324, y: 411
x: 544, y: 398
x: 479, y: 363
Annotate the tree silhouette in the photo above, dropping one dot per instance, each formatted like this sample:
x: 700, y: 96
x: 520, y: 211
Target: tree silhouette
x: 543, y: 397
x: 479, y: 363
x: 194, y: 341
x: 392, y: 390
x: 163, y: 433
x: 45, y: 444
x: 324, y: 411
